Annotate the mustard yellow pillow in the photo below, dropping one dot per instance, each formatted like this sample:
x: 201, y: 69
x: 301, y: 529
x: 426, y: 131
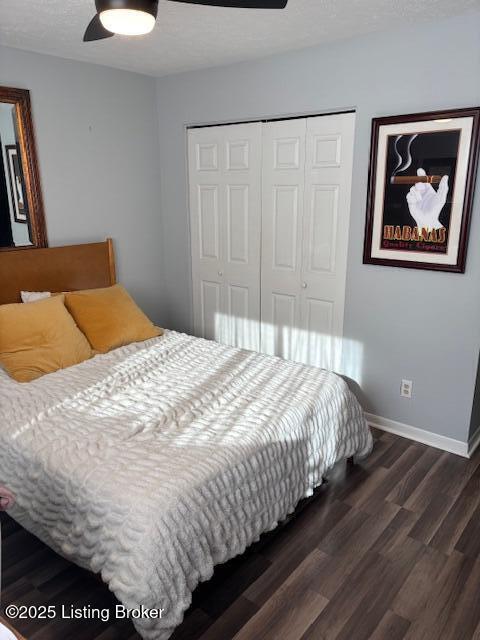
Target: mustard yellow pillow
x: 109, y: 317
x: 39, y: 338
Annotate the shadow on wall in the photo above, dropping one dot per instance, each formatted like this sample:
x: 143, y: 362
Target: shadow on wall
x: 475, y: 418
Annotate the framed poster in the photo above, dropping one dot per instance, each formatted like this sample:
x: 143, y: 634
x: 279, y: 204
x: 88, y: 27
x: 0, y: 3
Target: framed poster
x: 17, y: 191
x: 420, y: 189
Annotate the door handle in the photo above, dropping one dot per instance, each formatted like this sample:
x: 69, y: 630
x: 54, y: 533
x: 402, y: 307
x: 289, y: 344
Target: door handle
x: 220, y: 273
x: 304, y: 285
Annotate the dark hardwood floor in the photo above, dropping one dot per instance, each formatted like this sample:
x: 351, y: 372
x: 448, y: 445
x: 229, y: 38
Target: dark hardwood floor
x: 389, y: 549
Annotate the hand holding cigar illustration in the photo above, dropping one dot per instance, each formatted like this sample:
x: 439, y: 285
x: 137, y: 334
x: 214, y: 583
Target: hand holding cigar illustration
x: 424, y: 202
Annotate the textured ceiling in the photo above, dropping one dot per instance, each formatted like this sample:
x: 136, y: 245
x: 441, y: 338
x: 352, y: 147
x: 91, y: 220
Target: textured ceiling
x: 190, y: 37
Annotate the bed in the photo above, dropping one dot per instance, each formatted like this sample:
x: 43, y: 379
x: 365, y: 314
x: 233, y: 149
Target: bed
x: 157, y: 461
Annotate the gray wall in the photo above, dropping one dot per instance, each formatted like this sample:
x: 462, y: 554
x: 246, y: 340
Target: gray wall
x: 424, y: 326
x: 97, y: 140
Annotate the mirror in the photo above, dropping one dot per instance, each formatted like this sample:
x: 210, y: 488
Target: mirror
x: 22, y: 223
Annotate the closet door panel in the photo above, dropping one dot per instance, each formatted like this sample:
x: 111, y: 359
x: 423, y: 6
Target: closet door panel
x: 242, y: 183
x: 208, y: 222
x: 238, y: 224
x: 322, y: 228
x: 205, y: 194
x: 283, y: 182
x: 240, y: 330
x: 307, y: 169
x: 210, y: 294
x: 317, y: 320
x: 285, y: 226
x: 225, y: 214
x: 283, y: 331
x: 328, y: 171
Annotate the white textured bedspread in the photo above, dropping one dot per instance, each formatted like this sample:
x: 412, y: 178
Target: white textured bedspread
x: 159, y: 460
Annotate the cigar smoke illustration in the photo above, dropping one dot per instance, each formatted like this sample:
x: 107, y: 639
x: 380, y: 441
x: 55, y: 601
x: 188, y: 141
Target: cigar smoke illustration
x: 403, y: 165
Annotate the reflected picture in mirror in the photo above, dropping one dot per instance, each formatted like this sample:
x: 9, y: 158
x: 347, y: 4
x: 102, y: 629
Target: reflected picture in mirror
x: 21, y: 211
x: 16, y: 183
x: 14, y: 227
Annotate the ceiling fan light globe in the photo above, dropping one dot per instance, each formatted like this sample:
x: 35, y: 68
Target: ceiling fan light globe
x: 127, y: 22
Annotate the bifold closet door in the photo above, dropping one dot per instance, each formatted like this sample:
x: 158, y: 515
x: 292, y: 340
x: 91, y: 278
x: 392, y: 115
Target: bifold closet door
x: 225, y: 217
x: 307, y: 169
x: 283, y: 177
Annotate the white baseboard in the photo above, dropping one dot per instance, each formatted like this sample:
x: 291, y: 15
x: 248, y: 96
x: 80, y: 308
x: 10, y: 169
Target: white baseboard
x: 473, y: 442
x: 464, y: 449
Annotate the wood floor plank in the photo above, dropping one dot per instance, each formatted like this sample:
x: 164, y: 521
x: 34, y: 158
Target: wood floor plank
x: 343, y: 559
x: 393, y: 452
x: 434, y: 482
x: 441, y: 601
x: 294, y: 545
x: 432, y: 517
x: 476, y: 635
x: 15, y: 591
x: 111, y: 633
x: 215, y: 598
x: 311, y: 527
x: 368, y: 572
x: 17, y: 547
x: 391, y: 627
x: 196, y: 623
x: 404, y: 488
x: 60, y: 582
x: 232, y: 620
x: 382, y: 443
x: 395, y: 474
x: 292, y: 608
x: 49, y: 569
x: 462, y: 474
x: 465, y: 615
x: 396, y: 532
x: 450, y: 530
x: 341, y: 534
x: 379, y: 597
x: 411, y: 600
x: 362, y: 492
x: 469, y: 541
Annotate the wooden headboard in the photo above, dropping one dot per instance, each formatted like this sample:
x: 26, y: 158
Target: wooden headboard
x: 79, y: 266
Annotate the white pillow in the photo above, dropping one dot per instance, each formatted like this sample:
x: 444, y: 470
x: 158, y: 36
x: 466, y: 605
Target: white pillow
x: 33, y: 296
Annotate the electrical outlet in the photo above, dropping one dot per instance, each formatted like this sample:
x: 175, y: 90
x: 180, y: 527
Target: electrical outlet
x: 406, y: 388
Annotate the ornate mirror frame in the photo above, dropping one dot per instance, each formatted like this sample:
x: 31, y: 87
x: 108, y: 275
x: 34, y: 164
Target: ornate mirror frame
x: 26, y: 140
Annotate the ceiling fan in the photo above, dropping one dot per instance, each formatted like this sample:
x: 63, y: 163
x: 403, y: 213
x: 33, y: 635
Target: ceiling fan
x: 137, y: 17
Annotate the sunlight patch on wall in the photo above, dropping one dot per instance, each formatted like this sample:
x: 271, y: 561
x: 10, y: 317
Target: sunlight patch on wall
x: 341, y: 355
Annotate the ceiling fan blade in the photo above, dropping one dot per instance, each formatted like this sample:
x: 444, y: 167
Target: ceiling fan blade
x: 96, y: 31
x: 241, y: 4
